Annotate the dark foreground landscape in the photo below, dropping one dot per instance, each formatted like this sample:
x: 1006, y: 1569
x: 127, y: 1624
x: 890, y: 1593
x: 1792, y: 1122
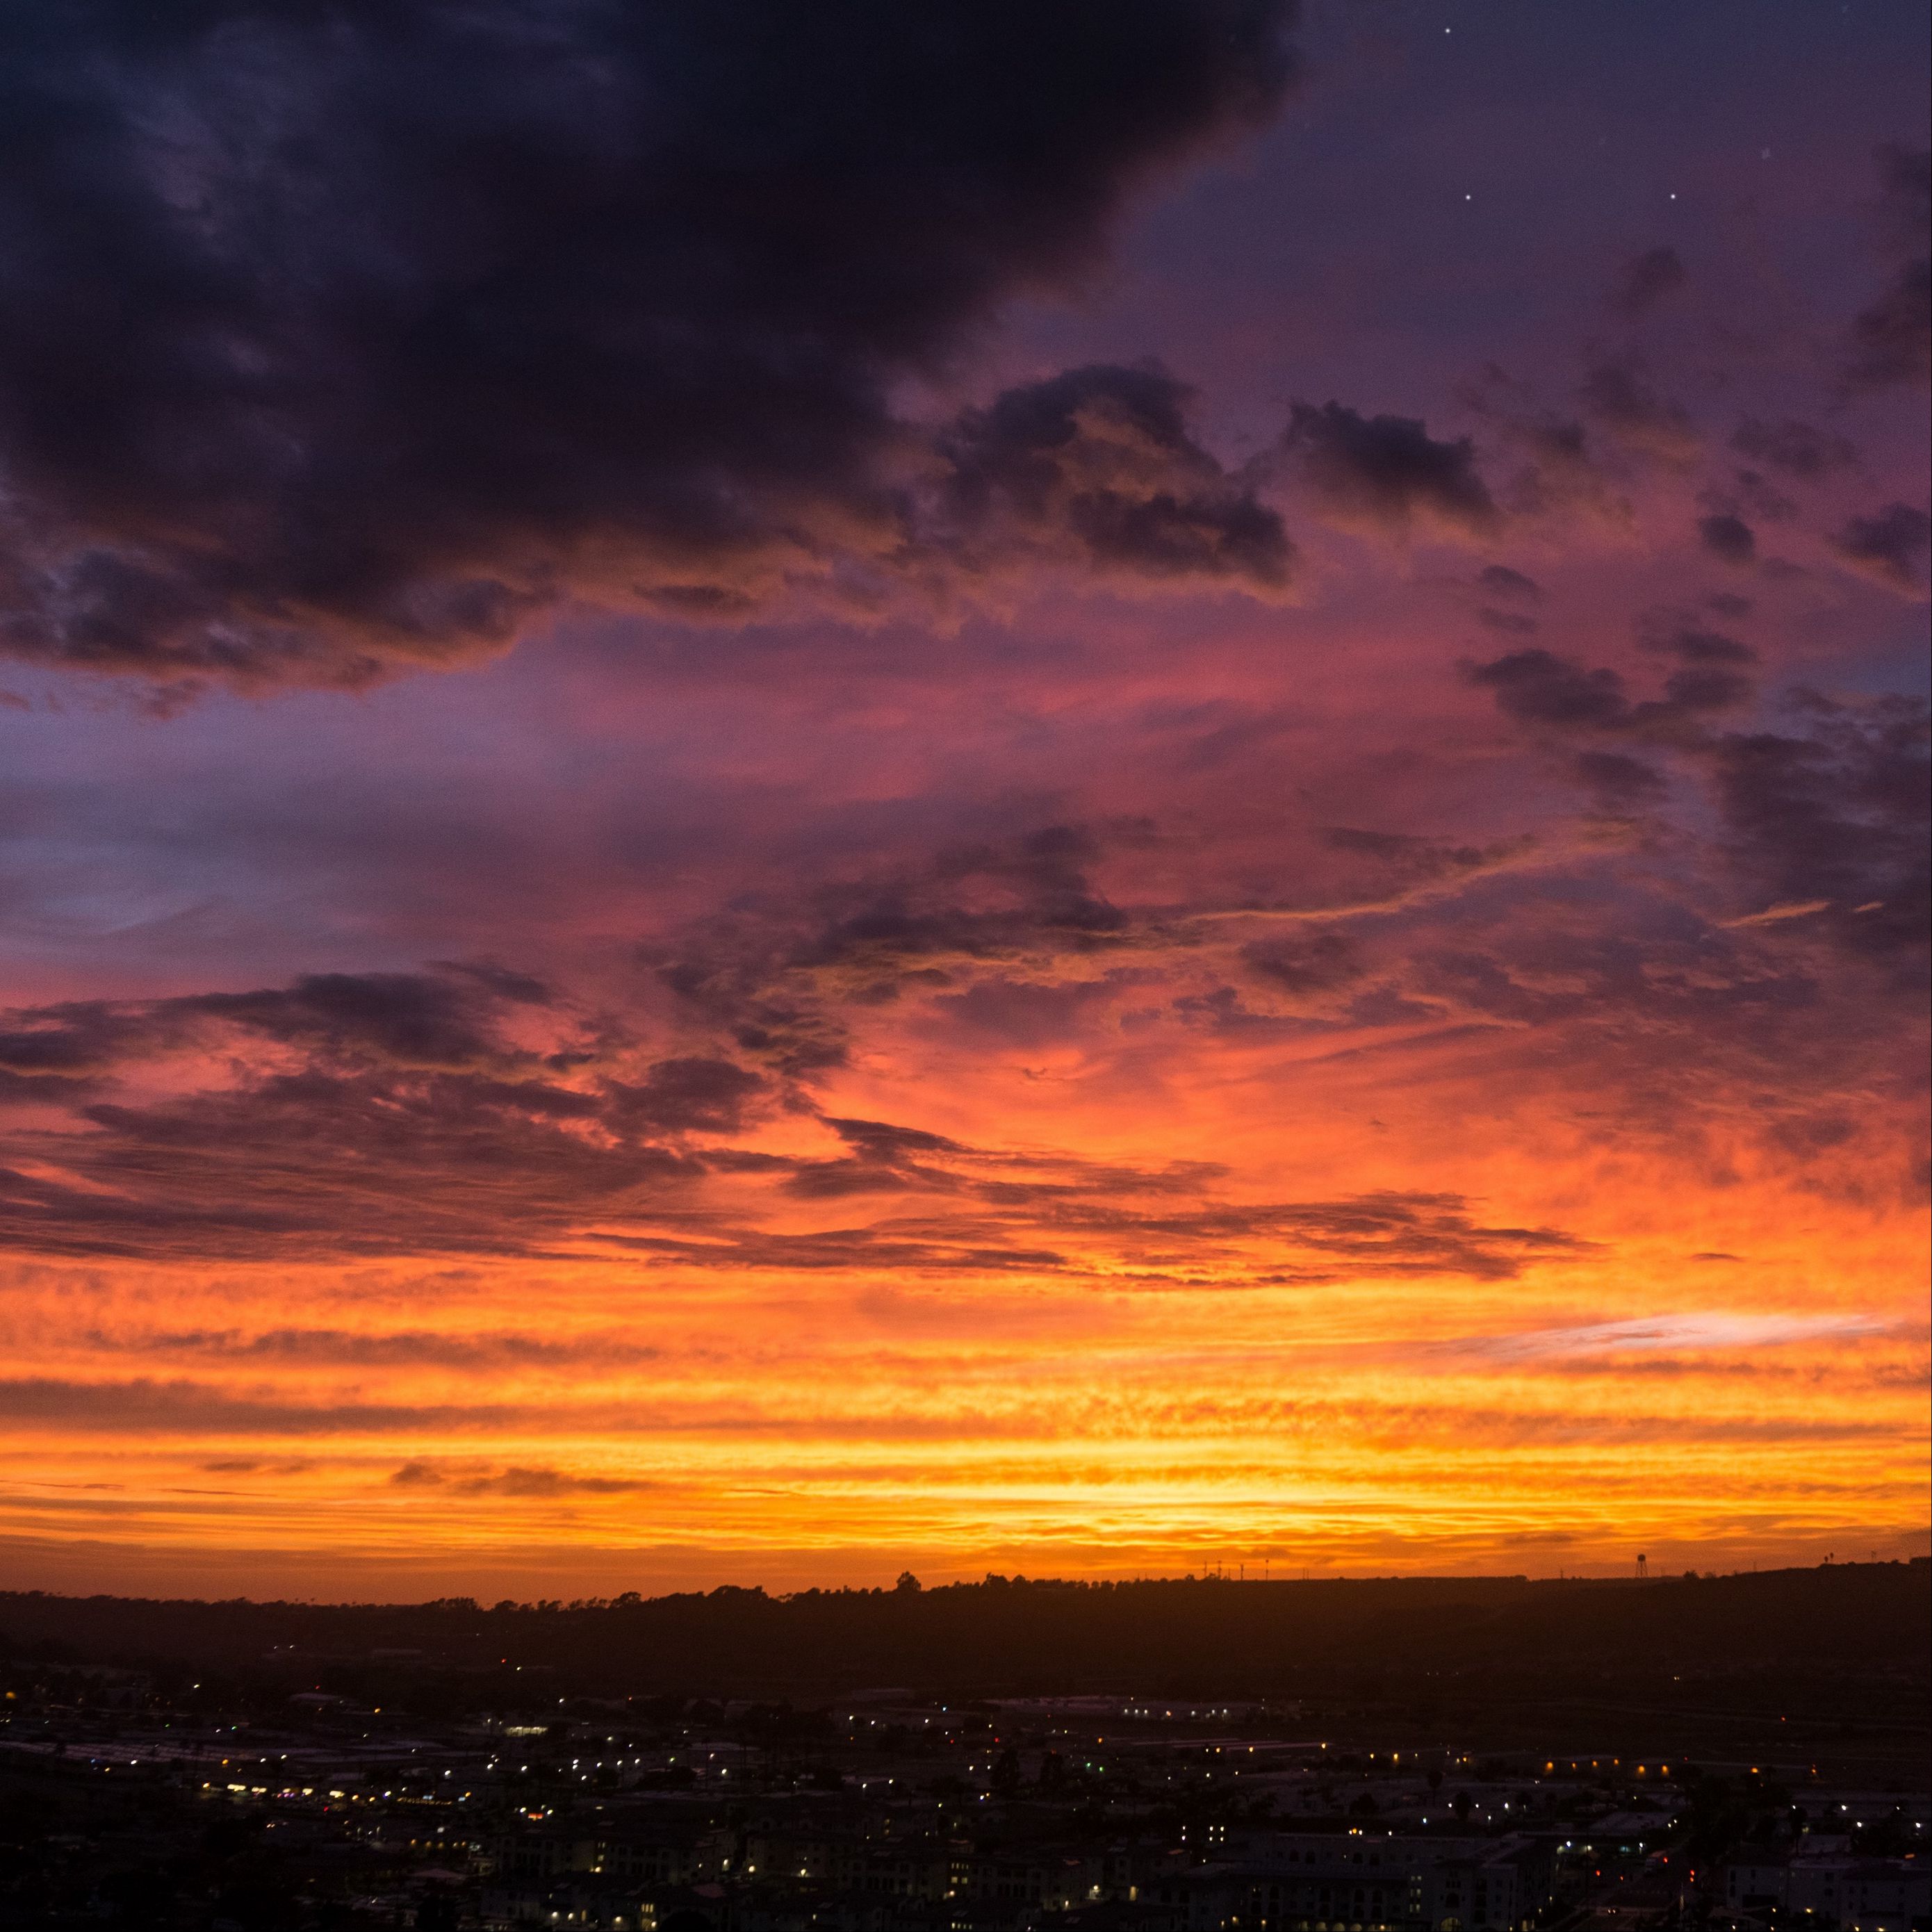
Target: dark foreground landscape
x: 1469, y: 1755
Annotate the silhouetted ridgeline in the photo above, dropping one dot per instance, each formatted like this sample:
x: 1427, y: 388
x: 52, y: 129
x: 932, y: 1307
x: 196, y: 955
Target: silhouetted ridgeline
x: 1869, y: 1623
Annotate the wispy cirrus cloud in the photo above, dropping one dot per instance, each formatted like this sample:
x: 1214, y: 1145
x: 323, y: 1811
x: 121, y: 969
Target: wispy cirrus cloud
x: 1714, y: 1331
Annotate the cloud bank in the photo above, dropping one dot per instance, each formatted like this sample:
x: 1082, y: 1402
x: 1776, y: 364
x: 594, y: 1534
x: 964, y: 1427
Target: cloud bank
x: 419, y: 320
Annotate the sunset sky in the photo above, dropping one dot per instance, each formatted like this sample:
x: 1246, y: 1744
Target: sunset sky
x: 1073, y: 788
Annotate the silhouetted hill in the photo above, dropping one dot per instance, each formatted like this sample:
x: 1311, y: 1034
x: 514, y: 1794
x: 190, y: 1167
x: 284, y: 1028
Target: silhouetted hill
x: 1870, y: 1620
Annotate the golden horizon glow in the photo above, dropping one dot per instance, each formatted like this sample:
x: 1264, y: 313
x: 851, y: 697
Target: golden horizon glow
x: 1681, y: 1376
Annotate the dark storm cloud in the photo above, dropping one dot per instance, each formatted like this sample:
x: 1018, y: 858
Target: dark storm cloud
x: 337, y: 337
x: 1387, y: 471
x: 375, y: 1026
x: 409, y: 1019
x: 1890, y: 341
x: 1888, y: 544
x: 1729, y: 538
x: 403, y: 1019
x: 1693, y: 644
x: 1646, y: 280
x: 1537, y: 687
x: 1097, y: 465
x: 1827, y: 821
x: 1835, y: 815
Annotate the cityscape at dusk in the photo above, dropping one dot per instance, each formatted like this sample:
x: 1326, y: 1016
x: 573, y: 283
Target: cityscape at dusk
x: 1736, y: 1754
x: 964, y: 965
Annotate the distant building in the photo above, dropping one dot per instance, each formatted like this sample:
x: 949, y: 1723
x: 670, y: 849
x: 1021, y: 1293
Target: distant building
x: 1354, y: 1882
x: 1832, y: 1893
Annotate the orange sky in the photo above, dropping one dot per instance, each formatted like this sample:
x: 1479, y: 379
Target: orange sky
x: 1402, y: 1297
x: 1121, y: 965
